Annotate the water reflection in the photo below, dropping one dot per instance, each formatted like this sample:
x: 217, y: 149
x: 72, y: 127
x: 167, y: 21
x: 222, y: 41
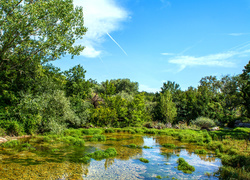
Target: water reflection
x: 63, y: 164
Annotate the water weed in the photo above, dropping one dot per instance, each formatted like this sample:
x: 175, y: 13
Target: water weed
x: 98, y: 138
x: 184, y: 166
x: 98, y: 155
x: 144, y: 160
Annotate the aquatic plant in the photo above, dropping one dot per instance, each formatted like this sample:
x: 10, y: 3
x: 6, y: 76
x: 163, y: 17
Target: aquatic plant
x: 98, y: 155
x: 91, y: 131
x: 184, y: 166
x: 98, y: 138
x: 132, y: 146
x: 10, y: 144
x: 200, y: 151
x: 158, y: 177
x: 144, y: 160
x: 170, y: 146
x: 208, y: 174
x: 73, y: 140
x: 109, y: 130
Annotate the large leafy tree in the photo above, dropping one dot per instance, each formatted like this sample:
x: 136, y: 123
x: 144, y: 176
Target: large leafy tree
x: 245, y: 88
x: 165, y: 110
x: 33, y: 32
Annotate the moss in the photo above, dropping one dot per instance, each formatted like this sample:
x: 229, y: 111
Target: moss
x: 147, y: 147
x: 109, y: 130
x: 144, y: 160
x: 98, y: 155
x: 184, y: 166
x: 10, y: 144
x: 170, y: 146
x: 98, y: 138
x: 73, y: 141
x: 200, y: 151
x: 91, y: 131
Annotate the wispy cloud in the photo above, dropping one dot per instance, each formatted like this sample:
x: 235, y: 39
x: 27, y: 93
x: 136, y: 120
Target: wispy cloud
x: 238, y: 34
x: 167, y: 54
x: 100, y: 17
x: 223, y: 59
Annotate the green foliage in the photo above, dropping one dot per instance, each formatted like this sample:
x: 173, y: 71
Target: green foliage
x: 200, y: 151
x: 144, y: 160
x: 184, y: 166
x: 98, y: 155
x: 12, y: 127
x: 34, y: 32
x: 245, y: 88
x: 203, y: 122
x: 170, y: 146
x: 91, y: 131
x: 73, y: 141
x: 98, y: 138
x: 76, y: 84
x: 11, y: 144
x: 165, y: 110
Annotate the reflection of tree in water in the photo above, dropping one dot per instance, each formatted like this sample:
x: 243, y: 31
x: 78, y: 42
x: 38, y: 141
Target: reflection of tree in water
x: 119, y: 143
x: 109, y: 162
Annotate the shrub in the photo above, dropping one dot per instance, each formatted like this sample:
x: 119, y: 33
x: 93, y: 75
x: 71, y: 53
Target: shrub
x: 184, y: 166
x: 203, y: 122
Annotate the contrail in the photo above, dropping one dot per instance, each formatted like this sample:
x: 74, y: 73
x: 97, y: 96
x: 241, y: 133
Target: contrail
x: 116, y: 43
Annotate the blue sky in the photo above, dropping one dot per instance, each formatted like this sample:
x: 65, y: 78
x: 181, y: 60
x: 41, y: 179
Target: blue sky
x: 153, y: 41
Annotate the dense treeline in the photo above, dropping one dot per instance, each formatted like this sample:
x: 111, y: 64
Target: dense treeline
x: 36, y: 97
x: 54, y: 100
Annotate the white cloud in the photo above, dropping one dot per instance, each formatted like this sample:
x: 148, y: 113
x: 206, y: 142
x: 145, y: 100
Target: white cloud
x: 100, y: 17
x: 220, y: 59
x: 167, y: 54
x: 238, y: 34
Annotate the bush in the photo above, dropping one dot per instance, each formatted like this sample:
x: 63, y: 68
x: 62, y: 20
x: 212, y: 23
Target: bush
x: 203, y: 122
x: 12, y: 127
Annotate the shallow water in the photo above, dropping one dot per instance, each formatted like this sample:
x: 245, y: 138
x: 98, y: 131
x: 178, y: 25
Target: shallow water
x: 61, y: 163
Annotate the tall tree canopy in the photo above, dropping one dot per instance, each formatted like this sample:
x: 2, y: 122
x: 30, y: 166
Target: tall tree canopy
x: 33, y: 32
x: 245, y: 89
